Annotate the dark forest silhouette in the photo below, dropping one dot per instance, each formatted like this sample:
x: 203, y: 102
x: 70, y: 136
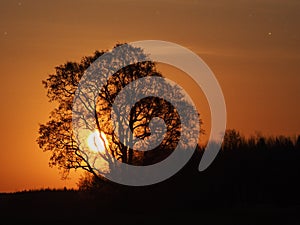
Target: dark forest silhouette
x: 252, y: 181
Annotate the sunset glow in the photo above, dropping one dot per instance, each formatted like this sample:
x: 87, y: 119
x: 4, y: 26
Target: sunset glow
x: 95, y: 141
x: 252, y: 47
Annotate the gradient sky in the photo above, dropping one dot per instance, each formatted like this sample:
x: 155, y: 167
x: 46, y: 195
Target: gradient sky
x: 251, y: 46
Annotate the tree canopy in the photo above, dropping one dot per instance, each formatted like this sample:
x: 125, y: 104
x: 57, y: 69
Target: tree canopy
x: 57, y: 136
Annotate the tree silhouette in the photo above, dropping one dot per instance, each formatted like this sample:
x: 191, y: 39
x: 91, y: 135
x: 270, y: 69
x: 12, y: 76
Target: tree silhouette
x: 232, y: 140
x: 58, y: 137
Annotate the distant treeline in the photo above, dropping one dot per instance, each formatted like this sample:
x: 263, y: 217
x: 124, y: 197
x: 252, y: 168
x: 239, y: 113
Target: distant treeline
x: 233, y: 140
x: 257, y: 170
x: 48, y: 189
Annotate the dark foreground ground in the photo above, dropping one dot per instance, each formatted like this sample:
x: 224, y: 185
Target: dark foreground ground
x: 240, y: 187
x: 73, y: 208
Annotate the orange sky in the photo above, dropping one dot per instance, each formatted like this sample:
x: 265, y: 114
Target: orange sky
x: 252, y: 47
